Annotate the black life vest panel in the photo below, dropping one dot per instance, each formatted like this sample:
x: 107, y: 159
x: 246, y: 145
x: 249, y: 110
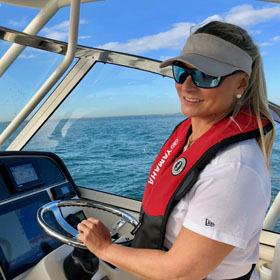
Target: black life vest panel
x: 175, y: 171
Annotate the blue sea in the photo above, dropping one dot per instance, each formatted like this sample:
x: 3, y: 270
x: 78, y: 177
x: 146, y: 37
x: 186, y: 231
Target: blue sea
x: 115, y: 154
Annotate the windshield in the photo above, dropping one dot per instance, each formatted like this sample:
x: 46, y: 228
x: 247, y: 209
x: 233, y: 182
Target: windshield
x: 25, y: 76
x: 112, y: 126
x: 23, y: 79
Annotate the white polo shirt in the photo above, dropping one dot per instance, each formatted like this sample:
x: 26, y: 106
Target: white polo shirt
x: 228, y: 204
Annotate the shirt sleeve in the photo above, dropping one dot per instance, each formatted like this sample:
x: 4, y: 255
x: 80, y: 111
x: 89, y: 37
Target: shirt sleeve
x: 228, y: 204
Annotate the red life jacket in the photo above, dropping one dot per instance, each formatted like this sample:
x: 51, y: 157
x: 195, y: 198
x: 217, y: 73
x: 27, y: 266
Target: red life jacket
x: 175, y: 171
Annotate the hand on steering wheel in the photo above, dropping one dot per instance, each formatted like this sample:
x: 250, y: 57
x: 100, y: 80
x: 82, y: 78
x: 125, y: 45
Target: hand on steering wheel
x: 55, y: 206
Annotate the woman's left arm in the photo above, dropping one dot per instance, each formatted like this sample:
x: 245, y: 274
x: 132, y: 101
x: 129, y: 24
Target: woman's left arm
x: 192, y: 255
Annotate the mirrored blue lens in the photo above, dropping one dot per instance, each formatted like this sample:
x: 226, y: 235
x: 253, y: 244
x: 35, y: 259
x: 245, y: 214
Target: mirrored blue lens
x: 199, y: 78
x: 180, y: 74
x: 203, y: 80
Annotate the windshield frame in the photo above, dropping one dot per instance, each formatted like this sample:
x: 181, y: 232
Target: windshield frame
x: 87, y: 57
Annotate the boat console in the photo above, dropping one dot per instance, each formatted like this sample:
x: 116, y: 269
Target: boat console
x: 28, y: 180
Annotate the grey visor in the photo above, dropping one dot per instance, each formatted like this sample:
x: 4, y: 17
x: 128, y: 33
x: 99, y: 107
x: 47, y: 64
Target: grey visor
x: 213, y: 56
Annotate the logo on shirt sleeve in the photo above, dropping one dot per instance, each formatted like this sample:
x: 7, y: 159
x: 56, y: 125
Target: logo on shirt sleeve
x: 208, y: 223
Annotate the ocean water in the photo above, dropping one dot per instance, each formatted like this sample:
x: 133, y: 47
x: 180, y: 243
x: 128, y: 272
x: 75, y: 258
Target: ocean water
x: 113, y: 154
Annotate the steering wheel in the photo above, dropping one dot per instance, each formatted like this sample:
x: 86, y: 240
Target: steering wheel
x: 54, y: 207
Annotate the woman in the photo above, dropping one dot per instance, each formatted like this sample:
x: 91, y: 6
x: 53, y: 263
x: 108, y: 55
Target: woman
x: 209, y: 188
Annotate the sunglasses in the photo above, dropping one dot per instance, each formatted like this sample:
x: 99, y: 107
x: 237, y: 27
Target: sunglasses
x: 200, y: 79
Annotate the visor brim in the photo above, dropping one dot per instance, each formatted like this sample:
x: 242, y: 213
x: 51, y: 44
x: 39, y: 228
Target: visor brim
x: 204, y: 64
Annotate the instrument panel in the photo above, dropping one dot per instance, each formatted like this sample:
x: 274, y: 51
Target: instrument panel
x: 28, y: 180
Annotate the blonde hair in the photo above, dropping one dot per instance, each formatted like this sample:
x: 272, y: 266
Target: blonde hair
x: 255, y: 97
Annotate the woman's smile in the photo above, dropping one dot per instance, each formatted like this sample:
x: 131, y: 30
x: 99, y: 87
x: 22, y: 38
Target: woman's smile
x: 192, y: 100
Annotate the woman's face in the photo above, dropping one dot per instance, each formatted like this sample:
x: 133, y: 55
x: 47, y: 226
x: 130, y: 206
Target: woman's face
x: 210, y: 105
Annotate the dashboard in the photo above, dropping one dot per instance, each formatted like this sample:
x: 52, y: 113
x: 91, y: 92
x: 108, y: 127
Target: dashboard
x: 28, y: 180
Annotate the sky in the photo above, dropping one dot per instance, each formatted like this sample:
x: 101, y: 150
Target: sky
x: 152, y: 28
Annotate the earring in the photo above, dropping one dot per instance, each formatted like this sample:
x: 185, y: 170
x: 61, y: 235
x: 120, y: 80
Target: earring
x: 239, y: 95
